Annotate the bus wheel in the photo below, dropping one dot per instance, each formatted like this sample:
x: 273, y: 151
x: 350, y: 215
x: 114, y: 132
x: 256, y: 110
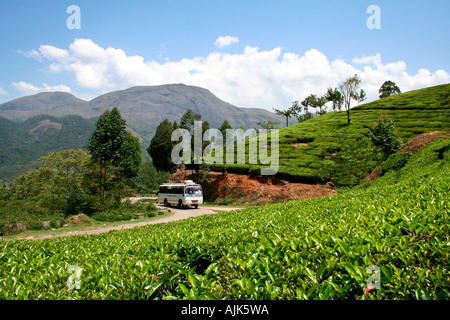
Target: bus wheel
x: 195, y: 206
x: 180, y: 204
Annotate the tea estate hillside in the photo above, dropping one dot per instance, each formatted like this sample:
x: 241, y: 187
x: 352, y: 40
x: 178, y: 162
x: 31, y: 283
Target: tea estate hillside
x: 307, y: 147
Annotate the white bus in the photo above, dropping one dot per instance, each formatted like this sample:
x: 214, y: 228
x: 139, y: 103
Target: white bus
x: 187, y: 193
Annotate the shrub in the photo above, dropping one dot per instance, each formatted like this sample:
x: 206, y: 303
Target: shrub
x: 74, y: 202
x: 396, y: 161
x: 34, y: 225
x: 384, y: 136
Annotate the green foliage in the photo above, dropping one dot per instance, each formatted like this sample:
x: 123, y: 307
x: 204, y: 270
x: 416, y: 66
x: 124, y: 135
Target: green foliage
x: 187, y: 120
x: 74, y: 202
x: 354, y: 161
x: 20, y: 150
x: 125, y: 211
x: 396, y: 161
x: 412, y: 113
x: 224, y: 126
x: 269, y: 124
x: 318, y: 248
x: 148, y: 178
x: 388, y: 88
x: 114, y: 149
x: 384, y: 136
x: 161, y: 147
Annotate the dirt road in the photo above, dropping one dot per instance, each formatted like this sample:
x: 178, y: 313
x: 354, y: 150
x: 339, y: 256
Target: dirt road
x: 178, y: 215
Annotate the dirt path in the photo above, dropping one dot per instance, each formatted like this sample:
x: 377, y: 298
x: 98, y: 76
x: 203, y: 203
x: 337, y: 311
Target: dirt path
x: 178, y: 215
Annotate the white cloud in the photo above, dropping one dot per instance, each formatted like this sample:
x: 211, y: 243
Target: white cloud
x: 253, y: 78
x: 375, y: 60
x: 3, y: 92
x: 225, y: 41
x: 28, y: 88
x: 32, y: 54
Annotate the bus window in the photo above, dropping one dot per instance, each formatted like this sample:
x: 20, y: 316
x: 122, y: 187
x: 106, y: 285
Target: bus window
x: 193, y: 191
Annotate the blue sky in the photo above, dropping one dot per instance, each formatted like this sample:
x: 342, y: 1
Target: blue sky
x: 280, y: 50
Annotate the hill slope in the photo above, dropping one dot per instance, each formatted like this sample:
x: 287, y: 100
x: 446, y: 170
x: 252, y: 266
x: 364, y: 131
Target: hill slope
x: 305, y: 147
x: 22, y: 144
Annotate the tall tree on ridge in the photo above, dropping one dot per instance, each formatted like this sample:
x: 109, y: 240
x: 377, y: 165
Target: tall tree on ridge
x: 349, y: 89
x: 388, y: 88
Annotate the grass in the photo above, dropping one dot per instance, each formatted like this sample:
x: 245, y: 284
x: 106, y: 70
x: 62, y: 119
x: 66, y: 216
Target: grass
x: 318, y: 248
x: 412, y: 113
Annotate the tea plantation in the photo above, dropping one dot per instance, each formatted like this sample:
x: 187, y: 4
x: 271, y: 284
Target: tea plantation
x: 305, y: 148
x: 320, y: 248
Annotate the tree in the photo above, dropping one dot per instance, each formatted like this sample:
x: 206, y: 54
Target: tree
x: 187, y: 120
x: 360, y: 97
x: 336, y: 97
x: 148, y: 178
x: 67, y: 163
x: 106, y: 143
x: 268, y: 124
x: 306, y: 103
x: 318, y: 102
x: 160, y: 147
x: 304, y: 117
x: 223, y: 128
x: 384, y: 136
x: 388, y: 88
x: 126, y: 164
x: 285, y: 113
x: 349, y: 88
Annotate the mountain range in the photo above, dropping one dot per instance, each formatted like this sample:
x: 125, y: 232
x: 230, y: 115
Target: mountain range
x: 32, y: 126
x: 143, y: 107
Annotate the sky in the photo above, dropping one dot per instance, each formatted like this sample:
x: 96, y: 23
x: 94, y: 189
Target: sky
x: 253, y: 53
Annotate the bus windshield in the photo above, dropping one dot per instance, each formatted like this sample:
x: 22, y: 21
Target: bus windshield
x: 193, y: 191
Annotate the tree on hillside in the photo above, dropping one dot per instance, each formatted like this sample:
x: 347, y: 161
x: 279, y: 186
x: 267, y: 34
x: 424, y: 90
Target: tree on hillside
x: 319, y: 102
x: 66, y: 163
x: 223, y: 128
x: 128, y: 160
x: 297, y: 109
x: 349, y: 89
x: 285, y: 113
x: 388, y: 88
x: 315, y: 102
x: 336, y: 97
x: 360, y: 97
x: 105, y: 143
x: 268, y: 124
x: 187, y: 120
x: 161, y: 147
x: 383, y: 135
x: 306, y: 103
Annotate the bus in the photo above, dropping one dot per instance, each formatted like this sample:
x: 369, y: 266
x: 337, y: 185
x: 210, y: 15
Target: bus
x: 183, y: 194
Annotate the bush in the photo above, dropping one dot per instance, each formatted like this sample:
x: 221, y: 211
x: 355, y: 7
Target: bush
x: 396, y: 161
x: 113, y: 215
x: 125, y: 211
x: 75, y: 201
x: 384, y: 136
x: 34, y: 225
